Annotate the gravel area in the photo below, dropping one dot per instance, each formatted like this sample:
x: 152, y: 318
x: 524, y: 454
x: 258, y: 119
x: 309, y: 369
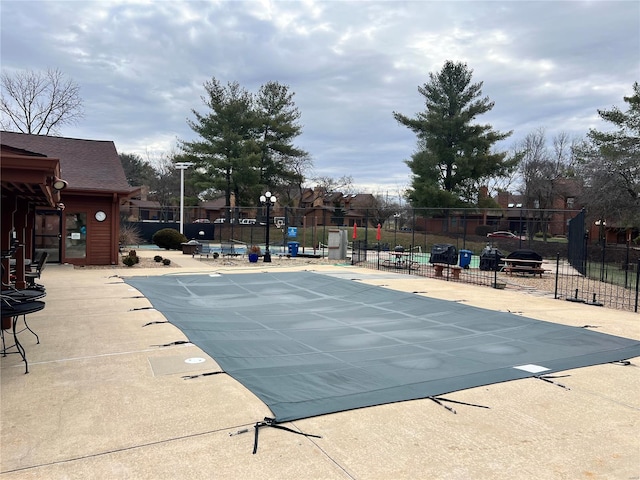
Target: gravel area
x: 147, y: 261
x: 531, y: 283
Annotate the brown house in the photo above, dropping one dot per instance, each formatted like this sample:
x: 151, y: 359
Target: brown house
x: 81, y: 227
x: 520, y: 216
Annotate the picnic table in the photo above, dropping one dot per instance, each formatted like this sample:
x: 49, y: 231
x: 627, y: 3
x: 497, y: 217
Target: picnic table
x: 523, y: 266
x: 400, y: 260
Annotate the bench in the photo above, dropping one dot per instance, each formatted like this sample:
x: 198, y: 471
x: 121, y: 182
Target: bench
x: 227, y: 249
x: 455, y: 270
x: 510, y: 269
x: 204, y: 250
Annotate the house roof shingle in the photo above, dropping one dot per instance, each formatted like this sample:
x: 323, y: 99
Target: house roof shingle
x: 84, y: 164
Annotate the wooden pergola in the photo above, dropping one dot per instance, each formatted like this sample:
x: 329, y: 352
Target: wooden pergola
x: 28, y: 180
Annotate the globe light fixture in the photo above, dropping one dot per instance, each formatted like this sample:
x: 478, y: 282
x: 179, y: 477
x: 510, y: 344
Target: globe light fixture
x: 267, y: 200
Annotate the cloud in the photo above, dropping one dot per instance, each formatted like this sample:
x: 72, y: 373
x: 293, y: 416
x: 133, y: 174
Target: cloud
x: 141, y: 66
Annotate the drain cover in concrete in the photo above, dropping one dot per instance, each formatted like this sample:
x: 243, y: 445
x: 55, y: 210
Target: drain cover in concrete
x: 180, y: 364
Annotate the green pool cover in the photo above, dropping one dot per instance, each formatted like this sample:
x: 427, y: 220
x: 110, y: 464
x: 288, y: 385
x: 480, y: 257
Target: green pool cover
x: 309, y: 344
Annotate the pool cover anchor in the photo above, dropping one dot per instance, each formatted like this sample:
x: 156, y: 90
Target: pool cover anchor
x: 271, y: 422
x: 624, y: 363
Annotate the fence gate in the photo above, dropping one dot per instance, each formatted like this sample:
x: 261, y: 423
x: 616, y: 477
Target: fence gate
x: 359, y: 252
x: 577, y: 248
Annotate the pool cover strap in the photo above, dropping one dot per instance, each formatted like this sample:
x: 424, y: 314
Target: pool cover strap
x: 271, y: 422
x: 206, y: 374
x: 439, y: 401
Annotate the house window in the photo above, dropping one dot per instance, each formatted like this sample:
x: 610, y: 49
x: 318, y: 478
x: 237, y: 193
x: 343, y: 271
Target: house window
x: 570, y: 202
x: 76, y: 235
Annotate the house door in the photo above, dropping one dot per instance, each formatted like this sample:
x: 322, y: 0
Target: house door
x: 48, y: 234
x: 75, y: 236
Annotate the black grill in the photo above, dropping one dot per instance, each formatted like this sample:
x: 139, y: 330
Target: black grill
x: 491, y: 259
x: 444, y: 253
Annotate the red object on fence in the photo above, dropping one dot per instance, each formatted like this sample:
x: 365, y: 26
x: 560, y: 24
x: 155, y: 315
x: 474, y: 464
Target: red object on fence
x: 378, y: 233
x: 355, y: 230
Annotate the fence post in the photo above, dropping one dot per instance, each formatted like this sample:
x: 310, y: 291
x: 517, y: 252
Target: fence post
x: 627, y: 264
x: 635, y: 309
x: 602, y: 263
x: 555, y: 295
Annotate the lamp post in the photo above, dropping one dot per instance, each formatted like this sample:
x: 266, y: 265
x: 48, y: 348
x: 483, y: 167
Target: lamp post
x: 267, y: 199
x: 182, y: 166
x: 396, y: 216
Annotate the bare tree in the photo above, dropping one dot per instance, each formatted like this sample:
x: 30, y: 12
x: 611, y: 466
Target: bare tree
x: 544, y: 170
x: 537, y: 170
x: 39, y: 102
x: 290, y: 192
x: 383, y: 208
x: 327, y: 184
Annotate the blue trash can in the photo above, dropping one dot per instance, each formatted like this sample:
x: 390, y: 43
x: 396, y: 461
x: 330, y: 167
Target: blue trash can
x: 465, y: 258
x: 293, y: 248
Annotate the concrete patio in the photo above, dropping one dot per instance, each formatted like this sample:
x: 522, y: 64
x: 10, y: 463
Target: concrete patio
x: 104, y: 400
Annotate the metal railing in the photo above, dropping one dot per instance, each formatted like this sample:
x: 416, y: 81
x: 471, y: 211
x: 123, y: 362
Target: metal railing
x: 605, y: 285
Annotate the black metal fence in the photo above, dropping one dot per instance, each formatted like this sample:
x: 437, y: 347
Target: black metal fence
x: 575, y: 267
x: 604, y: 284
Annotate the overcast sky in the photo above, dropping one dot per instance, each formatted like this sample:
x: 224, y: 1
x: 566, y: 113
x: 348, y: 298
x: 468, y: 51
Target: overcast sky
x: 141, y: 67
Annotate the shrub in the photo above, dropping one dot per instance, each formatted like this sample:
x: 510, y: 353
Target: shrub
x: 166, y: 261
x: 134, y: 255
x: 129, y: 261
x: 169, y: 239
x: 255, y: 249
x: 129, y: 235
x: 157, y: 258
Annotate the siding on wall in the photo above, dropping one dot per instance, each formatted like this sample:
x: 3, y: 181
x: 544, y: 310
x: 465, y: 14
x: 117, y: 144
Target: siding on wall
x: 99, y: 241
x: 102, y: 237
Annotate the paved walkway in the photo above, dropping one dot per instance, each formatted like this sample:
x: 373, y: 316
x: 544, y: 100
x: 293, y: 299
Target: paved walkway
x: 103, y: 400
